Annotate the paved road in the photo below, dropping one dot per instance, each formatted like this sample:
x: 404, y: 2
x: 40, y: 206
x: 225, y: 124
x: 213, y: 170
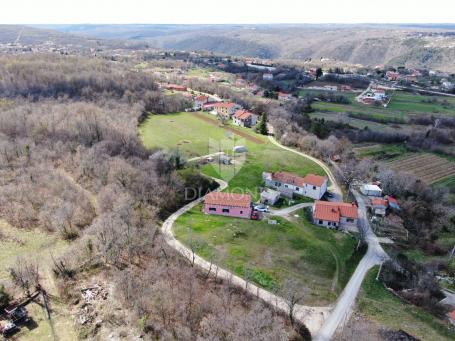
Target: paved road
x: 288, y: 210
x: 374, y: 256
x: 312, y: 317
x: 333, y: 188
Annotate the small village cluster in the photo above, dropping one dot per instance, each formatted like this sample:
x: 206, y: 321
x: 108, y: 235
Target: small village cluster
x: 278, y: 185
x: 285, y: 185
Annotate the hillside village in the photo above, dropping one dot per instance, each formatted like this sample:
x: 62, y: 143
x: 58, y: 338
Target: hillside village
x: 201, y: 188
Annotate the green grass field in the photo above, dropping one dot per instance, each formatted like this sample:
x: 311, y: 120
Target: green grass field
x: 192, y: 136
x: 382, y: 151
x: 319, y: 259
x: 389, y: 311
x: 400, y: 106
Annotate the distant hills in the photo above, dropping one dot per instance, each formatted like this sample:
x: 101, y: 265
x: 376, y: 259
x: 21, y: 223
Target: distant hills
x: 431, y: 46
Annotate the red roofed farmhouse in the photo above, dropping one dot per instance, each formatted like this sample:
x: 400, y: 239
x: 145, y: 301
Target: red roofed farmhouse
x: 226, y: 109
x: 335, y: 214
x: 244, y: 118
x: 199, y: 101
x: 228, y: 204
x: 313, y: 186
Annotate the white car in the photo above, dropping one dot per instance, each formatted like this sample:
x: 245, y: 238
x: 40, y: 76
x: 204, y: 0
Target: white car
x: 261, y: 208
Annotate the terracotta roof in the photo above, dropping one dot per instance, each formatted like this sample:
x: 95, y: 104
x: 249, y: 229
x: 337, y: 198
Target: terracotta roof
x: 333, y: 211
x: 202, y: 98
x: 292, y: 179
x: 288, y: 178
x: 228, y: 199
x: 227, y: 105
x: 243, y: 114
x: 391, y: 200
x: 314, y: 180
x: 379, y: 202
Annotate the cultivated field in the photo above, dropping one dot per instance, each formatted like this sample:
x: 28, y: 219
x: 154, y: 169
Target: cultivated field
x: 429, y: 168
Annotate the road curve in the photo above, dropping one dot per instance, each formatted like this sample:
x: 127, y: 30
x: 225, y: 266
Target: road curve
x: 374, y: 256
x: 334, y: 188
x: 312, y: 317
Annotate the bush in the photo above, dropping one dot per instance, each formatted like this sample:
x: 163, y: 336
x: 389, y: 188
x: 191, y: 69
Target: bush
x: 5, y: 298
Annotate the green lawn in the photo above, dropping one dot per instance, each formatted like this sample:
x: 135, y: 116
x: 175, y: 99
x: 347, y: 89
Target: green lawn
x: 319, y: 259
x: 192, y: 136
x: 391, y: 312
x: 382, y: 151
x: 402, y: 103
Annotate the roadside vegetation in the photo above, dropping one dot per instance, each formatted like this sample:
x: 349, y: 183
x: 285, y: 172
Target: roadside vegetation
x: 391, y: 312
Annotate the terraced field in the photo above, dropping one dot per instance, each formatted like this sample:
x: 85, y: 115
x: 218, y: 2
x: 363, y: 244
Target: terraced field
x: 427, y: 167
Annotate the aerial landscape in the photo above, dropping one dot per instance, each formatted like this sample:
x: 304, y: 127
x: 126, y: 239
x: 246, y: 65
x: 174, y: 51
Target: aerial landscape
x: 193, y: 171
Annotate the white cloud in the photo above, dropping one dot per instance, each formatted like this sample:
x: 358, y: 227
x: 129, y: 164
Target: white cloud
x: 232, y: 11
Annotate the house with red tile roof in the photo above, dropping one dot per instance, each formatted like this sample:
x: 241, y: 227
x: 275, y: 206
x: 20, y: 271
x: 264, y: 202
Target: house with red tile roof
x: 199, y: 101
x: 392, y: 75
x: 379, y: 206
x: 244, y: 118
x: 313, y: 186
x: 228, y: 204
x: 225, y: 109
x: 335, y: 214
x: 282, y: 96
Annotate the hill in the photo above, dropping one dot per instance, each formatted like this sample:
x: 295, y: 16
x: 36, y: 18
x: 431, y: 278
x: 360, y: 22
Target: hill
x: 412, y: 46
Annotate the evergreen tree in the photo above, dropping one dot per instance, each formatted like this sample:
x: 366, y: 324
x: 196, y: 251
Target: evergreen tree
x: 262, y: 127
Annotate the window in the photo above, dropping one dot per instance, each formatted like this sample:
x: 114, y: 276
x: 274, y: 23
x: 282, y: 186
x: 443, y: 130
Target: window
x: 329, y: 223
x: 212, y: 209
x: 350, y: 220
x: 314, y: 187
x: 286, y: 186
x: 225, y: 210
x: 277, y: 184
x: 241, y: 212
x: 297, y: 189
x: 321, y: 222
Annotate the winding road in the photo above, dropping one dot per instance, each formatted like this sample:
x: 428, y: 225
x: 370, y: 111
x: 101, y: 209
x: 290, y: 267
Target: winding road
x: 374, y: 256
x: 321, y: 321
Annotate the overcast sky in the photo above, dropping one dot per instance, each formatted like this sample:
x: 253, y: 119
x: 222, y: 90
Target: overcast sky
x: 227, y: 11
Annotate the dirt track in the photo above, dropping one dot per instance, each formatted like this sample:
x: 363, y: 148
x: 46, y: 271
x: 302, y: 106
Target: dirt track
x: 243, y: 134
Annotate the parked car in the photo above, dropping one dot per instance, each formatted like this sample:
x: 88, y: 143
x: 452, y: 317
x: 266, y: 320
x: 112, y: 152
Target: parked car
x: 329, y: 194
x: 261, y: 208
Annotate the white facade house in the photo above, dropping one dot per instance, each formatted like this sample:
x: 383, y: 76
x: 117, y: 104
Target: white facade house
x: 335, y: 214
x: 312, y: 186
x: 244, y: 118
x: 371, y: 190
x: 267, y: 76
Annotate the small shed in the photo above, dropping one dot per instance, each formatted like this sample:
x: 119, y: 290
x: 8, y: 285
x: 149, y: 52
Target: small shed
x: 371, y: 190
x: 270, y: 196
